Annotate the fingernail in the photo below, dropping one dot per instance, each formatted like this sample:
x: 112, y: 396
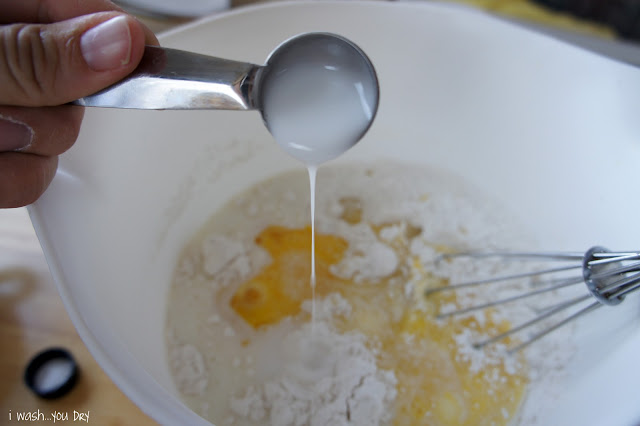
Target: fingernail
x: 14, y: 135
x: 108, y: 45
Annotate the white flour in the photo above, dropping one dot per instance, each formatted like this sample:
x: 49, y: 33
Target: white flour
x: 367, y: 259
x: 328, y: 379
x: 232, y: 374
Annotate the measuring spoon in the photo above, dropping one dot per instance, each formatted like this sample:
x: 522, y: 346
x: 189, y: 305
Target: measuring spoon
x: 315, y: 88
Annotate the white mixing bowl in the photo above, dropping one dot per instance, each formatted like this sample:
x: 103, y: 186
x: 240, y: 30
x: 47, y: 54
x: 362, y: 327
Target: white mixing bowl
x: 549, y: 130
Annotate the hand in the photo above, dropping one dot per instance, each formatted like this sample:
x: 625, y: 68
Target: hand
x: 53, y: 52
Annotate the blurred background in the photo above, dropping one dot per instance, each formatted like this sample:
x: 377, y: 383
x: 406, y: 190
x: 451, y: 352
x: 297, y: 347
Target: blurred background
x: 609, y: 27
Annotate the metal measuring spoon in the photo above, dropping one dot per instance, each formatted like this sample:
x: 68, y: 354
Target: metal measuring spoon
x: 177, y: 79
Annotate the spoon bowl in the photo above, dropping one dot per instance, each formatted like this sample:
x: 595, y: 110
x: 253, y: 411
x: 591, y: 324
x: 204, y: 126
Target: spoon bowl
x: 318, y: 94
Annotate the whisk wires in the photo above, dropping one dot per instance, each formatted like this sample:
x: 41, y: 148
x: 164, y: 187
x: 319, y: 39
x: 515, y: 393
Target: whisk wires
x: 609, y: 277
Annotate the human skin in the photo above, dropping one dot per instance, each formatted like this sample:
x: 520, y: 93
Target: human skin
x: 53, y: 52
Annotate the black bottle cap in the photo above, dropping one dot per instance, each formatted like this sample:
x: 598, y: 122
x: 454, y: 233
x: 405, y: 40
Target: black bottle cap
x: 52, y: 373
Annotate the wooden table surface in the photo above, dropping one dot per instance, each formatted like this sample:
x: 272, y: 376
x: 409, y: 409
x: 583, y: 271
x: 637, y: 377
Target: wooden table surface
x: 33, y: 318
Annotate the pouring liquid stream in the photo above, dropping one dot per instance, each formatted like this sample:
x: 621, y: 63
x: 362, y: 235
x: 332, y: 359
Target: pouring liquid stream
x: 335, y: 109
x: 313, y: 171
x: 317, y: 100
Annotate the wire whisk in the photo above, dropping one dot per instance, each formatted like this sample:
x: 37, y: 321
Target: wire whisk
x: 609, y: 277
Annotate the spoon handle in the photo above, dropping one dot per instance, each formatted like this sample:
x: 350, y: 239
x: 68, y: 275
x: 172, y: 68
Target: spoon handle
x: 176, y: 79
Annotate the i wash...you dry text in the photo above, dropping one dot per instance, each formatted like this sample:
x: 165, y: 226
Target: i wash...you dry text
x: 54, y: 416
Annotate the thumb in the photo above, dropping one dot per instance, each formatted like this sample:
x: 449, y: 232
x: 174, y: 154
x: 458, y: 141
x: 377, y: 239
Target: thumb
x: 52, y: 64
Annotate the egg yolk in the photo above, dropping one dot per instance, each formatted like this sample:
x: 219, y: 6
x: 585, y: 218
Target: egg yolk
x: 280, y: 288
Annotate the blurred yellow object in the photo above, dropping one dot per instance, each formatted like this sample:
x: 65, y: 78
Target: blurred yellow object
x: 527, y: 11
